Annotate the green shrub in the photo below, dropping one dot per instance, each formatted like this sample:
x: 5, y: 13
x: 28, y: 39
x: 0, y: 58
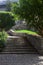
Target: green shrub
x: 3, y: 37
x: 6, y: 20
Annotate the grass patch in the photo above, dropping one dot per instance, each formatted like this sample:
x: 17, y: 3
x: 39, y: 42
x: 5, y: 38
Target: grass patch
x: 26, y: 31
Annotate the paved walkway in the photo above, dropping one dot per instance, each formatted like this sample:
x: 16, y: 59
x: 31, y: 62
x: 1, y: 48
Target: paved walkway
x: 21, y: 59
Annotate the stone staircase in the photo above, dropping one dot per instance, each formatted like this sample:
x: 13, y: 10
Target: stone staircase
x: 19, y: 45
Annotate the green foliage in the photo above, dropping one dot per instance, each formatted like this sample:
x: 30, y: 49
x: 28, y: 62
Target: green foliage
x: 8, y: 5
x: 3, y: 37
x: 15, y: 10
x: 6, y: 20
x: 32, y: 12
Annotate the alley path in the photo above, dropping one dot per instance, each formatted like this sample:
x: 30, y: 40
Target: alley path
x: 21, y: 59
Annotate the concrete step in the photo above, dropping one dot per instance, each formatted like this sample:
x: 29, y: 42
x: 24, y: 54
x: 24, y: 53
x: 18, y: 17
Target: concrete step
x: 18, y: 49
x: 18, y: 52
x: 19, y: 45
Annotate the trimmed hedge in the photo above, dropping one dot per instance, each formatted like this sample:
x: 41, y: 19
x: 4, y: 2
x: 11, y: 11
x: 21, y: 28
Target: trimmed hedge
x: 6, y: 20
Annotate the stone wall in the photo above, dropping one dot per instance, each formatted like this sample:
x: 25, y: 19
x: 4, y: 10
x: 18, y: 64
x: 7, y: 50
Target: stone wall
x: 37, y: 42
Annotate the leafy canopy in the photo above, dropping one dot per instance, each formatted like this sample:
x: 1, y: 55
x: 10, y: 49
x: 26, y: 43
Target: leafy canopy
x: 31, y: 11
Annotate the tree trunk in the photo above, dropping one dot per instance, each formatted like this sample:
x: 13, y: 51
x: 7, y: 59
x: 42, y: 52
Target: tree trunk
x: 41, y: 32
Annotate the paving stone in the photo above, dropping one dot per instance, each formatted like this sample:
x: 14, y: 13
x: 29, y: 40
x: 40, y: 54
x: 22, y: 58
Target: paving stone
x: 21, y: 59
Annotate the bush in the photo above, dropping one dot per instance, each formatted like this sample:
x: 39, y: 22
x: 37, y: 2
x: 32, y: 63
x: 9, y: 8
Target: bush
x: 6, y: 20
x: 3, y: 37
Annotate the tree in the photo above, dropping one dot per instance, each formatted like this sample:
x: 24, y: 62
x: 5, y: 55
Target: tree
x: 8, y: 5
x: 32, y: 12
